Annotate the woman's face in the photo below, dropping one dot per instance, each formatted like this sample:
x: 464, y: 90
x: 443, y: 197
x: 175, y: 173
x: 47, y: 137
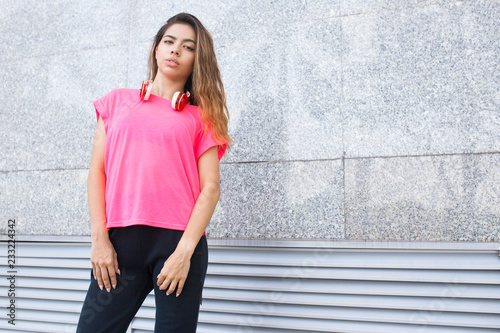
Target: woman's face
x: 175, y: 53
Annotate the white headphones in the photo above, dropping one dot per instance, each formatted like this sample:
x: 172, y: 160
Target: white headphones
x: 179, y: 101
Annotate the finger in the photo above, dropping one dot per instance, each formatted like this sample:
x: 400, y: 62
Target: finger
x: 165, y: 284
x: 112, y: 275
x: 93, y: 271
x: 98, y: 275
x: 160, y: 279
x: 117, y: 269
x: 172, y: 287
x: 106, y: 277
x: 180, y: 286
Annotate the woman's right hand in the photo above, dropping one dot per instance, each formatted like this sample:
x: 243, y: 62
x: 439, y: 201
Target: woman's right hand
x: 104, y: 263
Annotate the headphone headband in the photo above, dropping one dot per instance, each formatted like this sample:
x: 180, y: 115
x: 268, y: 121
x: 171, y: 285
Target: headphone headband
x: 179, y: 101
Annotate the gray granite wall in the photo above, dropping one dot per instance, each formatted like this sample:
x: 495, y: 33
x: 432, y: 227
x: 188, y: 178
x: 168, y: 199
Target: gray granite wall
x: 352, y: 119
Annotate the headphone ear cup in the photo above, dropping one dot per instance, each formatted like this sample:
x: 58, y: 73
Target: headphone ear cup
x: 175, y: 100
x: 147, y: 87
x: 183, y: 101
x: 179, y: 101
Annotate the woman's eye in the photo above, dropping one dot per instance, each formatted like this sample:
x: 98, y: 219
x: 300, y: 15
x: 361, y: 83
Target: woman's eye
x: 169, y: 42
x: 189, y: 48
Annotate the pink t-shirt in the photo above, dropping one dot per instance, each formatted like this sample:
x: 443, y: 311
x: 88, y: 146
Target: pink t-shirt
x: 151, y: 159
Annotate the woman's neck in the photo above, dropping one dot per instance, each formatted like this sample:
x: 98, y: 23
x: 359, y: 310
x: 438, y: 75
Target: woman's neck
x: 166, y: 88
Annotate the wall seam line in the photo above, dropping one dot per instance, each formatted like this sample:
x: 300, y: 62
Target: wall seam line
x: 341, y: 109
x: 341, y: 158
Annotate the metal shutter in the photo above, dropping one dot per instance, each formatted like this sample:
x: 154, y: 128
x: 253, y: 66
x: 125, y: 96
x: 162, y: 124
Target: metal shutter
x: 287, y: 286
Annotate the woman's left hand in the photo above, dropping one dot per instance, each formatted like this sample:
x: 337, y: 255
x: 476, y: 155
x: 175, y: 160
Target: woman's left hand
x: 174, y: 272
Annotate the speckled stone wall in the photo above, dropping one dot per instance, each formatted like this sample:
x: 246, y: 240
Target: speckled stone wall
x: 372, y: 120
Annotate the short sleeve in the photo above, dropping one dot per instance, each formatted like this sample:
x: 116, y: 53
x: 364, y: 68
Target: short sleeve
x: 205, y: 142
x: 103, y: 107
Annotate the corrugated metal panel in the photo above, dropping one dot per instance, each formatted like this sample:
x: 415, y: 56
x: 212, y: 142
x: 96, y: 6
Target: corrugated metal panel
x: 285, y: 288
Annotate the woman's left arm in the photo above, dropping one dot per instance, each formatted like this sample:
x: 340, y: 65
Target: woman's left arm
x: 176, y: 267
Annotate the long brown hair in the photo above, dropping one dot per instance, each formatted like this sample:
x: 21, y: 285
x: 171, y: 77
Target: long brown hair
x: 204, y: 83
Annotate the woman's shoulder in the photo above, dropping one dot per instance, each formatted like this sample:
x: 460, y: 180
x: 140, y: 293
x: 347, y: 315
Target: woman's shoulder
x: 197, y: 115
x: 193, y: 111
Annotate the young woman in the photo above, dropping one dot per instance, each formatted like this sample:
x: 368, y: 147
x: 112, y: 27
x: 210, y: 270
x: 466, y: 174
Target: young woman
x: 153, y: 185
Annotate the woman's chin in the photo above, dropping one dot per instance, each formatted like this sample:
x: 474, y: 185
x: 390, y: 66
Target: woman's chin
x: 173, y: 75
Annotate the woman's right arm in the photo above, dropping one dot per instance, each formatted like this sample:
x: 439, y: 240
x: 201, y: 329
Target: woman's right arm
x: 102, y: 254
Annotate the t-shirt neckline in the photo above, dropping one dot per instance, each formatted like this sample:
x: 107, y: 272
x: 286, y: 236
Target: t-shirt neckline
x: 169, y: 101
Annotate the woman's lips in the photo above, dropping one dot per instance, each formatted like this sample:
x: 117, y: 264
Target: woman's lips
x: 172, y: 63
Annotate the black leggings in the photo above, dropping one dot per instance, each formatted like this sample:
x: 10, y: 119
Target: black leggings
x: 142, y: 251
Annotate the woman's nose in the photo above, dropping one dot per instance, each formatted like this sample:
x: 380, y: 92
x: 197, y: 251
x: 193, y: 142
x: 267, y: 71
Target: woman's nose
x: 175, y: 51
